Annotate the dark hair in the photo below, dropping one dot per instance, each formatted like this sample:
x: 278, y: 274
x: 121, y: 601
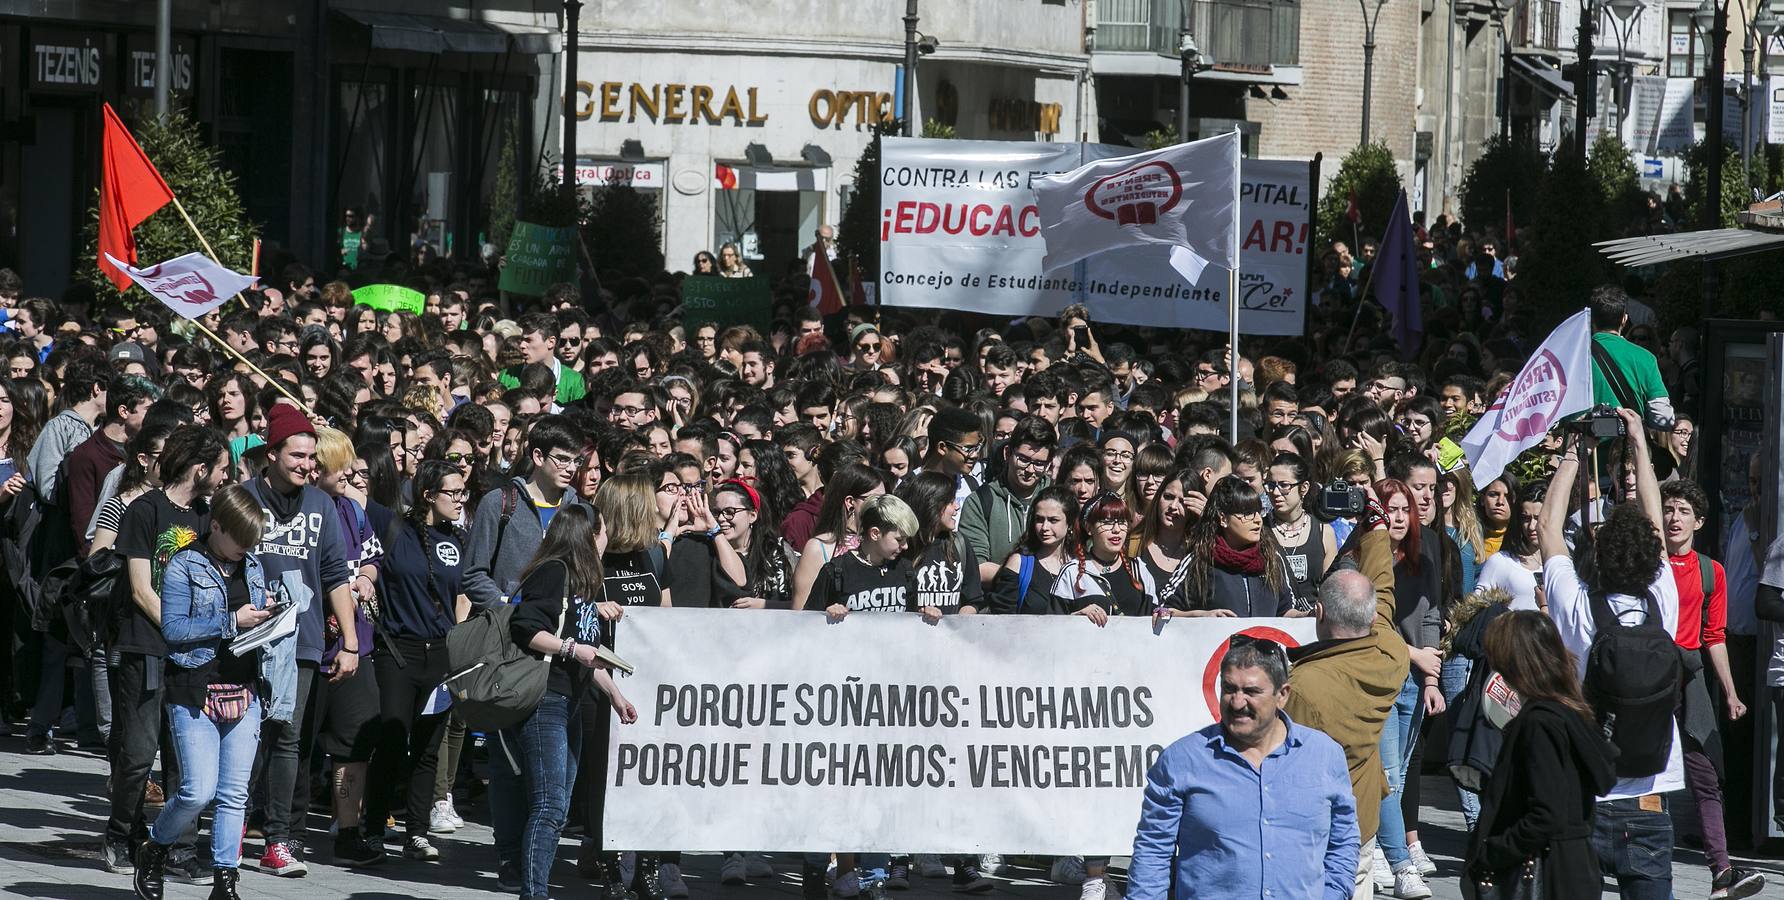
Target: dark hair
x: 383, y: 485
x: 135, y: 474
x: 1689, y: 491
x: 188, y: 446
x: 775, y: 480
x: 1105, y: 506
x: 928, y: 495
x: 127, y: 391
x: 1060, y: 495
x: 570, y: 540
x: 84, y: 375
x: 951, y: 425
x: 1513, y: 541
x: 1227, y: 496
x: 429, y: 476
x: 553, y: 432
x: 1609, y: 307
x: 767, y: 569
x: 851, y: 480
x: 1525, y: 647
x: 1627, y: 552
x: 1297, y: 435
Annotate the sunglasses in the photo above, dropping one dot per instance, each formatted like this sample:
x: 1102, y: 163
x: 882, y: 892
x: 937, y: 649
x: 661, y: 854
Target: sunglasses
x: 1263, y: 645
x: 868, y: 348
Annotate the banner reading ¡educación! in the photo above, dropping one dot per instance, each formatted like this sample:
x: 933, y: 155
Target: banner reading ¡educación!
x: 1009, y: 734
x: 538, y: 257
x: 959, y: 229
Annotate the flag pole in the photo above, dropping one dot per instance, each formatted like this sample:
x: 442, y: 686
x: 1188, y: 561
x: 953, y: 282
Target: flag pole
x: 1233, y: 302
x: 276, y: 383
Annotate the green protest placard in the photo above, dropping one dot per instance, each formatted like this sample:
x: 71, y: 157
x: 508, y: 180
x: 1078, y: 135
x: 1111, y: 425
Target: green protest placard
x: 390, y: 298
x: 538, y: 257
x: 726, y: 301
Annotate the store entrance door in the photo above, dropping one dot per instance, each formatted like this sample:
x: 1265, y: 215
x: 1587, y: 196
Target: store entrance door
x: 50, y: 199
x: 772, y: 215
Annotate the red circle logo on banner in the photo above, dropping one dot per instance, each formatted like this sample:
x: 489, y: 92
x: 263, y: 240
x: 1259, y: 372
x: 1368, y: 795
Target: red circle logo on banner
x: 1211, y: 677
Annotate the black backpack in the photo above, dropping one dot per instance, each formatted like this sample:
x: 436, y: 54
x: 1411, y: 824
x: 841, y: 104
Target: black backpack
x: 1633, y: 677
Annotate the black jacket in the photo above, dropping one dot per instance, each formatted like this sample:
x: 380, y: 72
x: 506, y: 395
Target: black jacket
x: 1540, y: 800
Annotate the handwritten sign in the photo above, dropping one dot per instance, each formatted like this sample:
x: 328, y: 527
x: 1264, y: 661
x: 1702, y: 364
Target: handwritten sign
x: 538, y: 257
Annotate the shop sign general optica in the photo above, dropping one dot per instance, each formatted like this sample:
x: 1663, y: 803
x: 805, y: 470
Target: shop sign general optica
x: 959, y: 229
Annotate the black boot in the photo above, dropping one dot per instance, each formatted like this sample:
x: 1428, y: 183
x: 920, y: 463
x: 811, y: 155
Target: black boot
x: 646, y: 881
x: 607, y: 875
x: 151, y: 860
x: 223, y: 885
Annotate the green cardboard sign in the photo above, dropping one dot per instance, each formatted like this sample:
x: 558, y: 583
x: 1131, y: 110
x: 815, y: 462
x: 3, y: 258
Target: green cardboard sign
x: 726, y: 302
x: 390, y: 298
x: 537, y: 258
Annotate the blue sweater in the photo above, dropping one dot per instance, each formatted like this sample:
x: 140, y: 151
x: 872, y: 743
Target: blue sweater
x: 304, y: 558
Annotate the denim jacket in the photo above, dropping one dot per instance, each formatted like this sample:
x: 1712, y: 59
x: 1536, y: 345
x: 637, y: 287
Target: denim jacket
x: 195, y: 620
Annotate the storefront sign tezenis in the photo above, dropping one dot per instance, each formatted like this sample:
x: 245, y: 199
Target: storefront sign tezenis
x: 669, y: 104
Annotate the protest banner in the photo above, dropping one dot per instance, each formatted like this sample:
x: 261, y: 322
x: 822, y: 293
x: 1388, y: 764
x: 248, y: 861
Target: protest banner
x: 1008, y: 734
x: 390, y: 298
x: 538, y: 257
x: 726, y: 301
x: 959, y: 228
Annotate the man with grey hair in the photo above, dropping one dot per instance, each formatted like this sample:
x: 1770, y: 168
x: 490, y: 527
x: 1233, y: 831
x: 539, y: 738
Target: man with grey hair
x: 1346, y: 681
x: 1254, y: 806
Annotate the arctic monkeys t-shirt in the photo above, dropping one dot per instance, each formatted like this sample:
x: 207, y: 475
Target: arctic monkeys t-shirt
x: 853, y: 582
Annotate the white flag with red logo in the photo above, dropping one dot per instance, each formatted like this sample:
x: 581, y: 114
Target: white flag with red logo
x: 190, y: 285
x: 1554, y: 384
x: 1184, y: 197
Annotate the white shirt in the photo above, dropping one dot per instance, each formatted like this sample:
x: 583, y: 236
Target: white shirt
x: 1571, y: 607
x: 1504, y: 571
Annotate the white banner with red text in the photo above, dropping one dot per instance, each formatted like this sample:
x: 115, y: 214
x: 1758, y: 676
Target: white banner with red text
x: 959, y: 229
x: 781, y: 731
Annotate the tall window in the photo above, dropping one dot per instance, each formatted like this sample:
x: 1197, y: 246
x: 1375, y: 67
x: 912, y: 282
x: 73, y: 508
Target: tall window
x: 1685, y: 48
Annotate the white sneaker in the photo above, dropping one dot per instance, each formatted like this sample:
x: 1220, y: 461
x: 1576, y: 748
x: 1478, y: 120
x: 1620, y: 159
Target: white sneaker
x: 928, y: 865
x: 1096, y: 889
x: 669, y: 876
x: 734, y: 873
x: 1410, y: 885
x: 991, y: 864
x: 1419, y: 860
x: 847, y: 884
x: 1067, y: 870
x: 452, y: 810
x: 440, y: 820
x: 1381, y: 873
x: 757, y: 867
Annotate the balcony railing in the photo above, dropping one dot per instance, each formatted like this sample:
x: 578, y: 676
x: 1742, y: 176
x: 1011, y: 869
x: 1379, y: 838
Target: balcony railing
x: 1228, y: 32
x: 1536, y: 24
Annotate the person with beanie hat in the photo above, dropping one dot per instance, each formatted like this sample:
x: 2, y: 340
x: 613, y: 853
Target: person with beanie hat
x: 303, y: 549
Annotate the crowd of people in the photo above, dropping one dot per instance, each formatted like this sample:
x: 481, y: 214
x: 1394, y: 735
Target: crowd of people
x: 246, y: 566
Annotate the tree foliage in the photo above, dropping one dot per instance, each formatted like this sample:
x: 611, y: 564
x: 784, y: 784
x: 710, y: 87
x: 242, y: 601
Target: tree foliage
x: 1557, y: 265
x: 504, y: 198
x: 858, y: 236
x: 1697, y: 164
x: 939, y: 130
x: 194, y: 170
x: 1613, y: 171
x: 1503, y: 170
x: 1369, y: 171
x: 622, y: 230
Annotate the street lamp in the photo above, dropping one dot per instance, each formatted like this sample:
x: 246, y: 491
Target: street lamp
x: 1627, y: 13
x: 1711, y: 19
x: 1189, y: 59
x: 1369, y: 23
x: 1585, y: 77
x: 910, y: 64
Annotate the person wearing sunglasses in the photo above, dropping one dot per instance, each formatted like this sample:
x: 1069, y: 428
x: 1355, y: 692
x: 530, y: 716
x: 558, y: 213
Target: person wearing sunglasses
x: 1204, y: 832
x: 868, y: 345
x: 422, y: 576
x: 1234, y: 566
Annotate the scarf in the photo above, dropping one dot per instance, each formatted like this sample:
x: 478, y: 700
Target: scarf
x: 1249, y: 561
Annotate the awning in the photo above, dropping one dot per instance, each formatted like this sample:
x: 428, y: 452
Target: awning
x: 1538, y: 72
x: 1714, y: 244
x: 438, y: 34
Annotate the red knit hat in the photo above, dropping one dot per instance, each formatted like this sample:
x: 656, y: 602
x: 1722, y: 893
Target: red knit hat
x: 285, y: 420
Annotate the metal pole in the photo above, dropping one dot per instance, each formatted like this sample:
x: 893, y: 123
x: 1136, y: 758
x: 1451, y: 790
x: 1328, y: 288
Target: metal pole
x: 910, y: 65
x: 1585, y: 76
x: 1712, y: 213
x: 572, y: 31
x: 163, y: 55
x: 1504, y: 80
x: 1368, y: 59
x: 1449, y: 97
x: 1186, y: 68
x: 1746, y: 112
x: 1233, y: 299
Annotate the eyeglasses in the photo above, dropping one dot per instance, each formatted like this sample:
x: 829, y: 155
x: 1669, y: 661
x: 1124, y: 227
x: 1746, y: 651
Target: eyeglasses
x: 569, y: 340
x: 1112, y: 525
x: 1205, y: 373
x: 1027, y: 462
x: 970, y: 451
x: 629, y: 411
x: 458, y: 494
x: 1253, y: 513
x: 358, y: 474
x: 730, y: 512
x: 689, y: 488
x: 1118, y: 454
x: 1281, y: 487
x: 868, y: 348
x: 567, y: 462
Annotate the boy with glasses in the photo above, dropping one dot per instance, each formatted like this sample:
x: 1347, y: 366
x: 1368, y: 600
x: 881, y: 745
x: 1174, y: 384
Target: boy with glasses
x: 993, y: 519
x: 956, y: 442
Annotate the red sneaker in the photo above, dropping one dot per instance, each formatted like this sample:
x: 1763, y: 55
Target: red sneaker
x: 280, y: 861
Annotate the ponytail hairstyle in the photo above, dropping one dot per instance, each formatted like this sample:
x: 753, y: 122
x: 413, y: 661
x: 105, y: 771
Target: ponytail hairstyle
x: 1105, y: 506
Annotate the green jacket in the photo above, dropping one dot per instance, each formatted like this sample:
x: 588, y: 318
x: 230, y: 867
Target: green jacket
x: 993, y: 519
x: 1642, y: 373
x: 569, y: 388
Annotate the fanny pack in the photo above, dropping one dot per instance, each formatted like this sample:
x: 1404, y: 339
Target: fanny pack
x: 225, y: 704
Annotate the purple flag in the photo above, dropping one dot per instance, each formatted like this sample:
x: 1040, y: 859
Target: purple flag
x: 1397, y: 279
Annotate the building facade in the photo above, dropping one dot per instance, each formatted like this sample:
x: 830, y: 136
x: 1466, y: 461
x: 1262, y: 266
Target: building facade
x: 747, y: 128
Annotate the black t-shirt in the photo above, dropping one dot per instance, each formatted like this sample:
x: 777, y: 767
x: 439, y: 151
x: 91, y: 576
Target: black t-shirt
x: 153, y: 529
x: 541, y: 599
x: 186, y: 687
x: 633, y: 578
x: 863, y: 587
x: 949, y: 585
x: 1006, y: 596
x: 697, y: 579
x: 422, y: 578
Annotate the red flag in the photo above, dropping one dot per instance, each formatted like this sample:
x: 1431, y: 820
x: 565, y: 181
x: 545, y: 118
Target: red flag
x: 857, y: 290
x: 1351, y: 212
x: 130, y: 190
x: 825, y: 295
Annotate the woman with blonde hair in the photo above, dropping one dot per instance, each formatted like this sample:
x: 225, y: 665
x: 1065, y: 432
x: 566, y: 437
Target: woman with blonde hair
x: 731, y: 264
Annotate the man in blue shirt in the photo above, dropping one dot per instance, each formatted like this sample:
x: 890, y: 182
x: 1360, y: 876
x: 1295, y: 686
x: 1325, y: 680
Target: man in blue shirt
x: 1254, y: 806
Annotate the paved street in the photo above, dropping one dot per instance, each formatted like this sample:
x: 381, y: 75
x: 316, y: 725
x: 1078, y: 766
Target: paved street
x: 52, y: 809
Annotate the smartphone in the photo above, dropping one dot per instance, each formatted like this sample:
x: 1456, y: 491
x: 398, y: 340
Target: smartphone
x: 1083, y: 334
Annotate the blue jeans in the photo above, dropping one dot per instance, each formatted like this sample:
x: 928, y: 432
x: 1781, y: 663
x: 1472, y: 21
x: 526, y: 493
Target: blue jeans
x: 216, y: 761
x: 548, y: 745
x: 1634, y: 846
x: 1399, y: 734
x: 1451, y: 679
